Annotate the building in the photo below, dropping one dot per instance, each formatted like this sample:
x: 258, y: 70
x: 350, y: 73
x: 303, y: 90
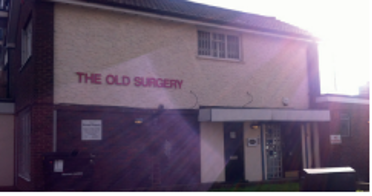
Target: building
x: 120, y: 94
x: 6, y: 110
x: 345, y: 139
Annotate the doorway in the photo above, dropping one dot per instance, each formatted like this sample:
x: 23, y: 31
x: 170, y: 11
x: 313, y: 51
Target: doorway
x: 234, y: 156
x: 273, y: 147
x: 292, y: 150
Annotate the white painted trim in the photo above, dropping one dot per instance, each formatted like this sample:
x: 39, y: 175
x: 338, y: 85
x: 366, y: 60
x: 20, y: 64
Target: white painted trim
x: 240, y: 115
x: 330, y: 170
x: 223, y: 115
x: 4, y: 14
x: 316, y: 145
x: 303, y: 146
x: 204, y: 115
x: 6, y: 108
x: 264, y: 177
x: 193, y: 22
x: 342, y: 100
x: 55, y: 131
x: 212, y: 157
x: 300, y: 115
x: 309, y: 146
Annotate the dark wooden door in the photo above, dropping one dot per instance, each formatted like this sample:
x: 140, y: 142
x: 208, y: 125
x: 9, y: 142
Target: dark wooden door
x: 292, y: 149
x: 234, y: 156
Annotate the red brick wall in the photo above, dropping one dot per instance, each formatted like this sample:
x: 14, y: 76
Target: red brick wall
x: 354, y: 150
x: 33, y: 86
x: 133, y: 156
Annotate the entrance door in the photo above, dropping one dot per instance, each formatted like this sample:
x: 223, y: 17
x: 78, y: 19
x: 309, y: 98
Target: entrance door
x: 234, y: 156
x: 292, y: 150
x: 273, y: 152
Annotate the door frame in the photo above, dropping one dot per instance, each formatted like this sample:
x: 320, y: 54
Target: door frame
x: 240, y: 148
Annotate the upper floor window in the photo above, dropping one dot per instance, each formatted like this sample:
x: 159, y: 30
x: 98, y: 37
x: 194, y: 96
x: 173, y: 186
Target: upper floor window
x: 344, y: 125
x: 218, y: 45
x: 26, y: 42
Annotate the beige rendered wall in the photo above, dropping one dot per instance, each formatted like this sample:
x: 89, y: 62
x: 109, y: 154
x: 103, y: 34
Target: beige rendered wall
x: 212, y: 152
x: 252, y: 155
x: 105, y: 42
x: 6, y: 150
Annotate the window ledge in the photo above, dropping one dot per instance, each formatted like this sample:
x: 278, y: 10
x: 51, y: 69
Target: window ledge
x: 24, y: 178
x: 25, y: 64
x: 218, y: 59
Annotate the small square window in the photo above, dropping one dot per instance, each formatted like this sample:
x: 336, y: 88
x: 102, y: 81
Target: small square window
x: 344, y: 125
x: 218, y: 45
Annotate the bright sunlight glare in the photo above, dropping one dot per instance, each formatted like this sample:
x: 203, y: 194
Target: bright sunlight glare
x: 343, y: 27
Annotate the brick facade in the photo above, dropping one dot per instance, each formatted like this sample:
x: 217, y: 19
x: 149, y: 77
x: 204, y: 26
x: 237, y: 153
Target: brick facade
x: 165, y: 150
x: 34, y: 86
x: 162, y: 151
x: 354, y: 149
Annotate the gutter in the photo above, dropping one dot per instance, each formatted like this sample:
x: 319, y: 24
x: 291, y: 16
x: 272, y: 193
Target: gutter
x: 175, y: 19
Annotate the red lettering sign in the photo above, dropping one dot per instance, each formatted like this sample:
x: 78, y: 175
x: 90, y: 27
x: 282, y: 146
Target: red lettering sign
x: 123, y: 80
x: 92, y: 78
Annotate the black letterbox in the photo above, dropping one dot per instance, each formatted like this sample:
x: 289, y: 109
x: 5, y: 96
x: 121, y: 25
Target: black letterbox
x: 328, y: 179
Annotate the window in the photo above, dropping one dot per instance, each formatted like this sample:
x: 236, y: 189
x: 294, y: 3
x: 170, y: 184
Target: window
x: 4, y: 5
x: 1, y: 35
x: 218, y: 45
x: 26, y: 42
x: 344, y: 125
x: 24, y: 147
x: 6, y: 57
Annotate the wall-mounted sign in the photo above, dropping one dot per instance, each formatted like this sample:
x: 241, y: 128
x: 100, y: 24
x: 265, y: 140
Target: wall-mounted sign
x: 91, y: 129
x: 58, y: 166
x: 335, y: 139
x: 252, y: 141
x: 122, y: 80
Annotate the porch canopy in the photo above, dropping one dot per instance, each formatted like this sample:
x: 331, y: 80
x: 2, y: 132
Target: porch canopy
x: 246, y: 114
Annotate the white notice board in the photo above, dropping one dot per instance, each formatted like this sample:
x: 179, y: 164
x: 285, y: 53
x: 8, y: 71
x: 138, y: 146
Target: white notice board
x: 335, y: 139
x: 91, y: 129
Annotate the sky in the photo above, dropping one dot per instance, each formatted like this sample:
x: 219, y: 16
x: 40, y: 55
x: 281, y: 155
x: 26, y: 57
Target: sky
x: 343, y: 26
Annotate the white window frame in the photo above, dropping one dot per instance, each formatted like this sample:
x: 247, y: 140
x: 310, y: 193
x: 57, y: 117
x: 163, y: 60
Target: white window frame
x: 344, y: 124
x: 6, y: 57
x: 212, y: 45
x: 24, y: 159
x: 26, y: 42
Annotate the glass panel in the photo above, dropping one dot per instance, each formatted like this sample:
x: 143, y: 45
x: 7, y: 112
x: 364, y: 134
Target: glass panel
x: 218, y: 45
x: 273, y: 152
x: 204, y: 45
x: 221, y: 44
x: 232, y: 47
x: 344, y: 124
